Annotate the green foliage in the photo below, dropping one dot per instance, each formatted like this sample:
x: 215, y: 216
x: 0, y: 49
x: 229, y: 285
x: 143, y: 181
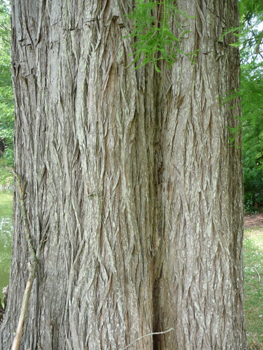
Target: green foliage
x: 251, y: 93
x: 6, y: 176
x: 6, y: 90
x: 251, y: 17
x: 6, y: 231
x: 252, y: 109
x: 154, y: 39
x: 249, y: 203
x: 249, y: 9
x: 250, y: 200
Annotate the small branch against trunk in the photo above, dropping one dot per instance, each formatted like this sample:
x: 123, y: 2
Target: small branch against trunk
x: 22, y: 193
x: 24, y: 306
x: 146, y: 335
x: 32, y: 264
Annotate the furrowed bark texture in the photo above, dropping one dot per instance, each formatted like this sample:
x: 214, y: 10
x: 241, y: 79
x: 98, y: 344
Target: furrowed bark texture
x: 133, y: 192
x: 201, y: 281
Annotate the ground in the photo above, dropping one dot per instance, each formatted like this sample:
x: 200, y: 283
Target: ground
x: 253, y: 220
x: 253, y: 278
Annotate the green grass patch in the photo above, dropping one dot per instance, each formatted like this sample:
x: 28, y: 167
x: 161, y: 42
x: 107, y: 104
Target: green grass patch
x: 6, y: 203
x: 6, y: 230
x: 253, y: 274
x: 6, y: 176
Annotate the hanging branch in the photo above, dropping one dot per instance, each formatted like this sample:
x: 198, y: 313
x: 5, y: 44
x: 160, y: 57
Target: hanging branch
x: 32, y: 264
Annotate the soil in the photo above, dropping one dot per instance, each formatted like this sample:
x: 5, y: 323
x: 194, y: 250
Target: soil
x: 253, y: 220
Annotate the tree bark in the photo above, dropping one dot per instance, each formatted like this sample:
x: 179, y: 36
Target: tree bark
x: 201, y: 280
x: 134, y: 194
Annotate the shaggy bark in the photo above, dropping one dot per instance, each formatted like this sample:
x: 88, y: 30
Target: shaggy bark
x: 201, y: 280
x: 134, y: 194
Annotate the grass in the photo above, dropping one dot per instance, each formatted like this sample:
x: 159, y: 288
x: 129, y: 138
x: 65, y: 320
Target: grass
x: 6, y: 204
x: 253, y: 273
x: 6, y: 198
x: 6, y: 177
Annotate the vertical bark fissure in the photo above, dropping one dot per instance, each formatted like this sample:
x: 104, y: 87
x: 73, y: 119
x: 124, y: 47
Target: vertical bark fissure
x: 158, y: 219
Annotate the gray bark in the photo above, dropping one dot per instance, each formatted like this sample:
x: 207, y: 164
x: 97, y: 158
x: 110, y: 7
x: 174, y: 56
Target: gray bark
x: 134, y: 195
x: 202, y: 192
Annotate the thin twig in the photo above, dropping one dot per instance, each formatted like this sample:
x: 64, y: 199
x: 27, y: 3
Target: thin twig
x: 23, y: 311
x: 257, y: 273
x: 147, y: 335
x: 32, y: 264
x: 22, y: 193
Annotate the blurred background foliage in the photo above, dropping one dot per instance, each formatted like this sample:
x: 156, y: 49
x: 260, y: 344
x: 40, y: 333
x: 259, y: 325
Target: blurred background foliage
x: 251, y: 92
x: 6, y: 96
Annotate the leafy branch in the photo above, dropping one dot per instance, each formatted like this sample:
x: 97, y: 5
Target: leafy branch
x: 154, y: 39
x: 249, y: 42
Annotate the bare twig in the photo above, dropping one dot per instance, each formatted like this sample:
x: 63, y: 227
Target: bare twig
x: 24, y: 306
x: 147, y: 335
x: 257, y: 273
x: 22, y: 193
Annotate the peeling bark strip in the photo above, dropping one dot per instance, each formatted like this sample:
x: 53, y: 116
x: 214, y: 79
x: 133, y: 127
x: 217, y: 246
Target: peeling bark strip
x: 134, y: 195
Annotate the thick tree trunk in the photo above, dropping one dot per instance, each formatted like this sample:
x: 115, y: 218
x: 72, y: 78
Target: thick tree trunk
x: 201, y: 280
x: 134, y: 194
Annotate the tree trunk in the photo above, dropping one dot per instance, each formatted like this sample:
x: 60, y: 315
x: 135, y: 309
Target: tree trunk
x: 134, y: 194
x: 201, y: 281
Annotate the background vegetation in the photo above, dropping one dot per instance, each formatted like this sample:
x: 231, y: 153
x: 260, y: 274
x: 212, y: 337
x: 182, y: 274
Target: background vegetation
x: 251, y: 92
x: 6, y: 97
